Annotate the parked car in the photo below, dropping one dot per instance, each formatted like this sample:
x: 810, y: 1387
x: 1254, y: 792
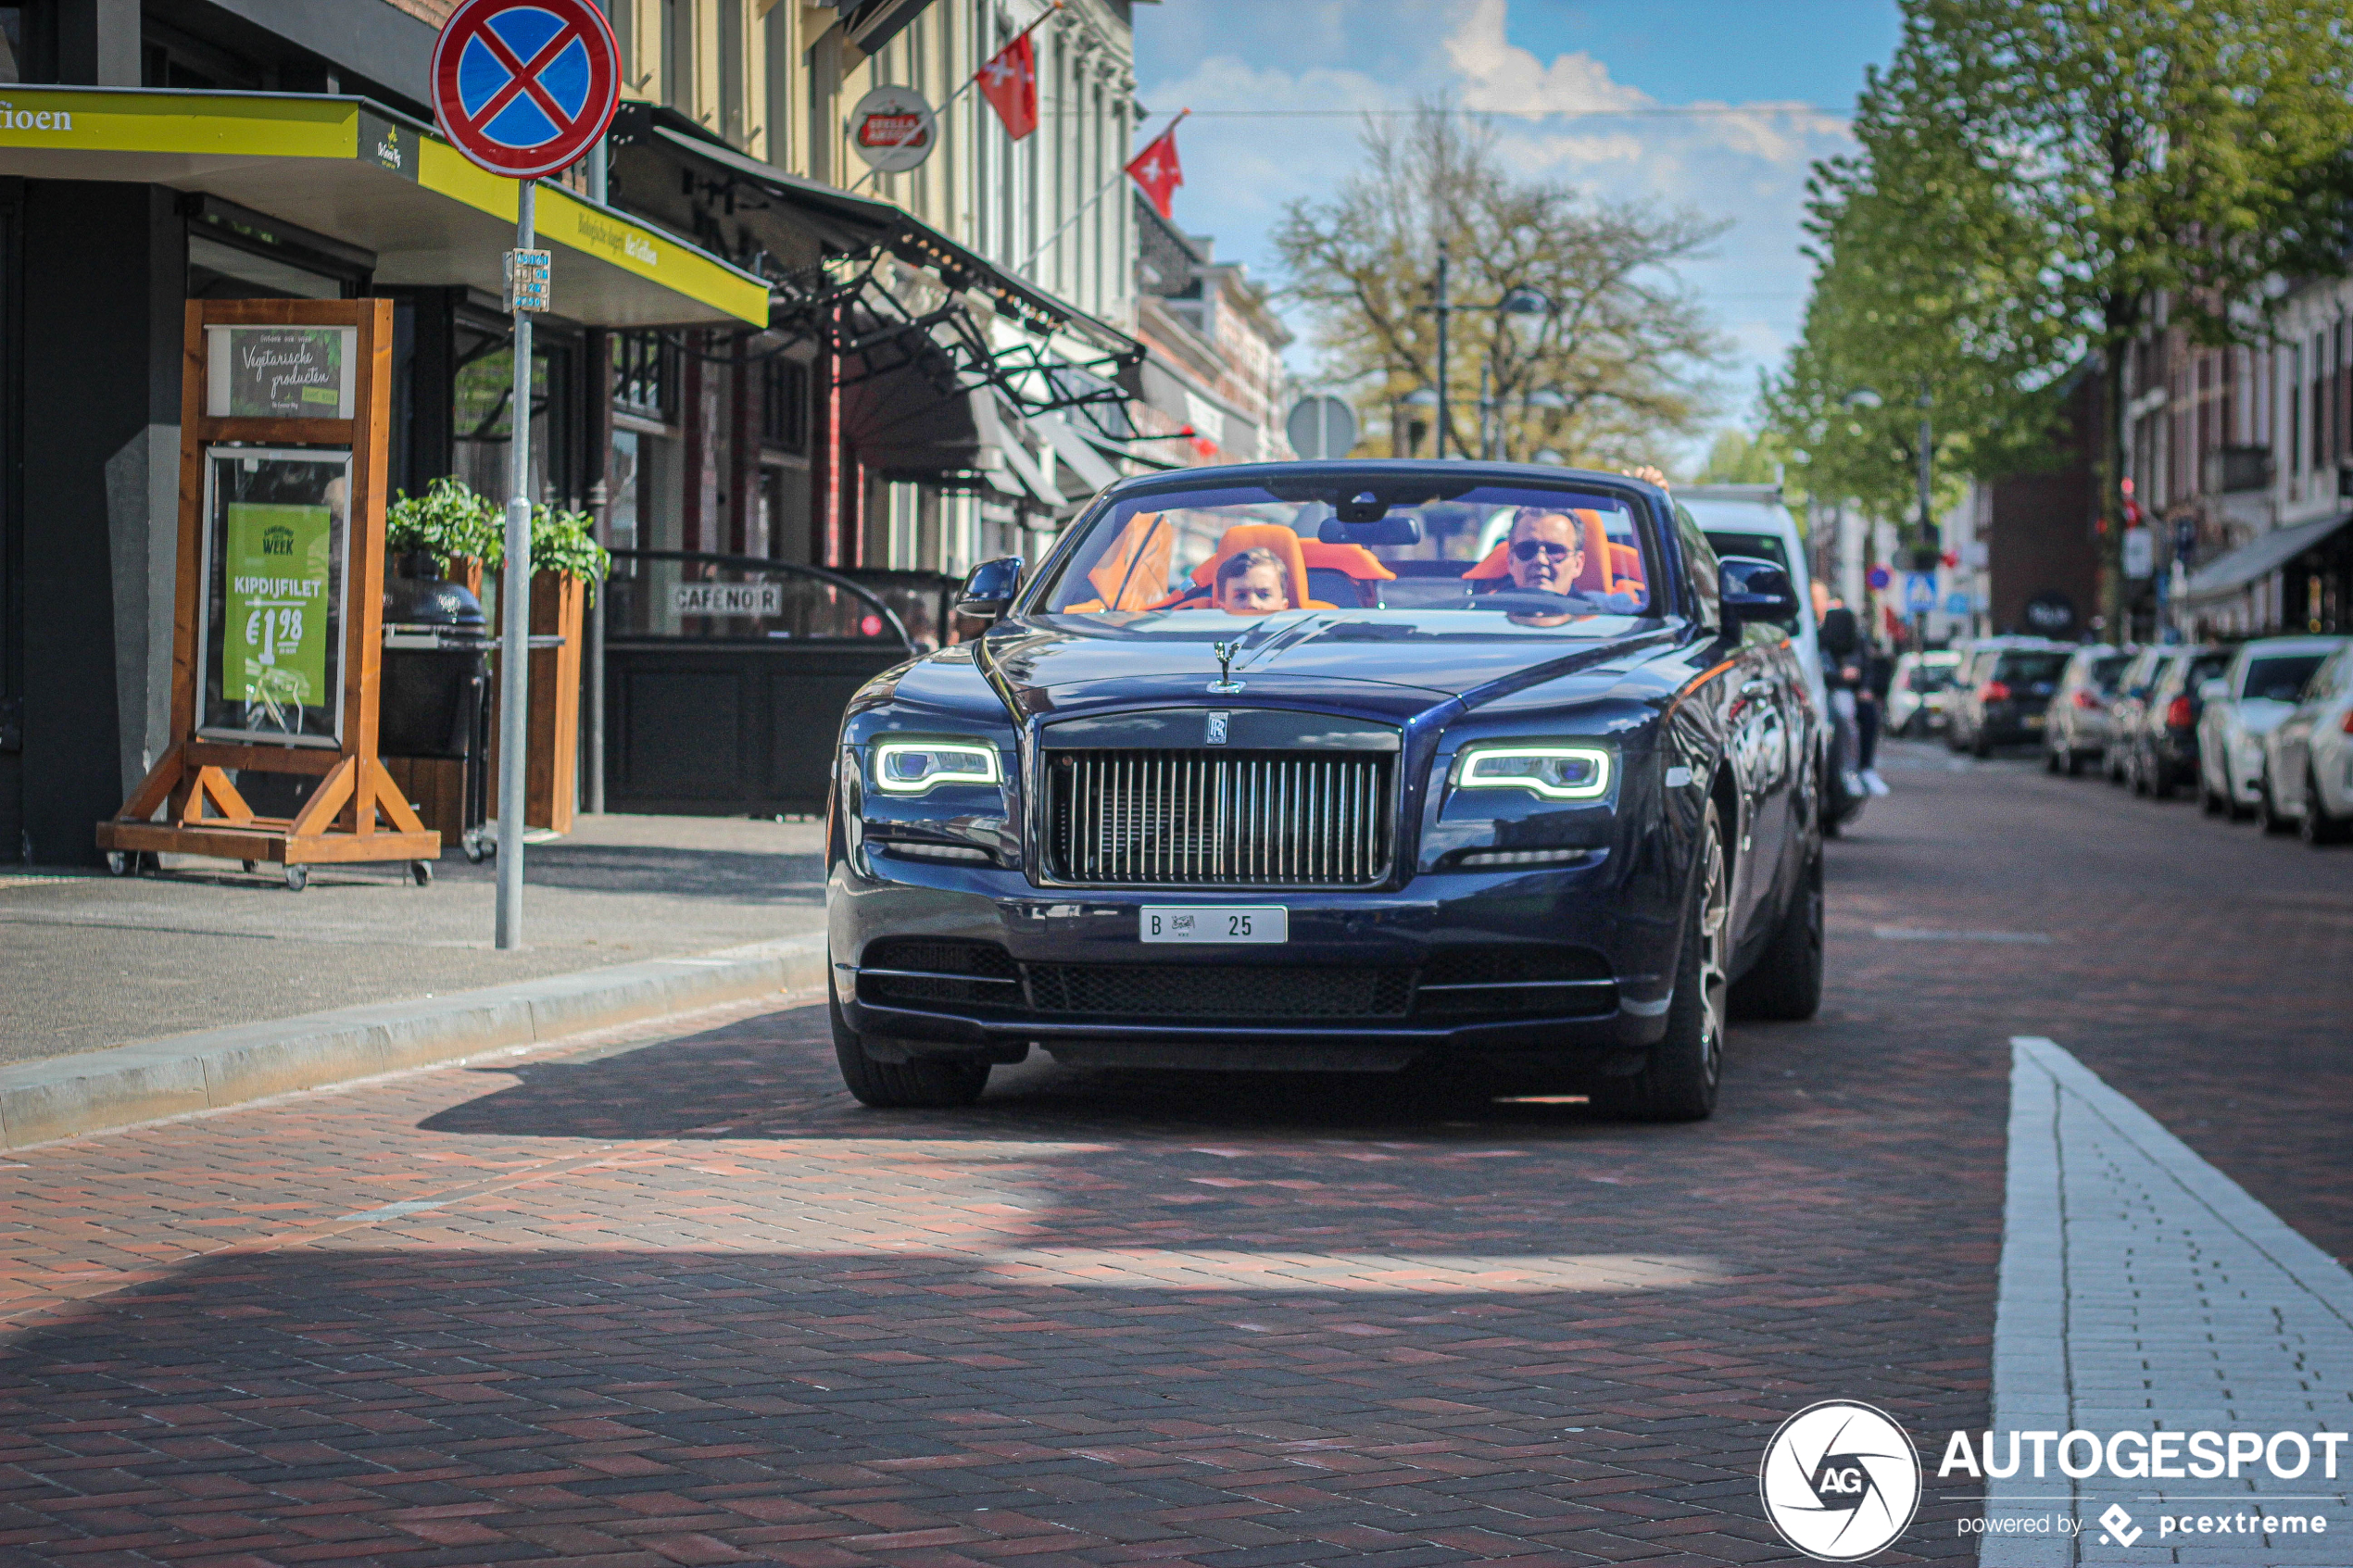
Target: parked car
x: 1919, y: 691
x: 2161, y: 746
x: 2075, y: 730
x: 2265, y: 680
x: 2132, y: 689
x: 1751, y: 522
x: 2308, y: 759
x: 2003, y: 692
x: 1540, y: 805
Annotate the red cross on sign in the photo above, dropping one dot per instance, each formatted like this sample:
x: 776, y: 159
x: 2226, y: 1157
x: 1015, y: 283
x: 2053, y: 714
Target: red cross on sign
x: 525, y: 87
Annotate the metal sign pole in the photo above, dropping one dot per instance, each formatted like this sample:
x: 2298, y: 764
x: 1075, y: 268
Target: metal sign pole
x: 514, y: 608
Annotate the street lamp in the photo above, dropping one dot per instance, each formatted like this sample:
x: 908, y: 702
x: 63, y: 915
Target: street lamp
x: 1420, y: 397
x: 1517, y: 304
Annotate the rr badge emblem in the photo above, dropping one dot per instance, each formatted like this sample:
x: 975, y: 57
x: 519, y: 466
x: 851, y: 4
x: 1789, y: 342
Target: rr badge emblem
x: 1217, y: 729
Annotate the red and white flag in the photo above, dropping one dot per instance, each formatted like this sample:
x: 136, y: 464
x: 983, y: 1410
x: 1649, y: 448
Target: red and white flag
x: 1010, y: 83
x: 1156, y: 170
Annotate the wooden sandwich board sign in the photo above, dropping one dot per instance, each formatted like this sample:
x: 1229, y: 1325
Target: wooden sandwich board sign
x: 279, y: 628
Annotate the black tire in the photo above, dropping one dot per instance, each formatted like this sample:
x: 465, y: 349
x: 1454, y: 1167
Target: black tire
x: 421, y: 873
x: 901, y: 1085
x: 2074, y: 763
x: 2208, y: 803
x: 1679, y: 1082
x: 2269, y: 809
x: 2050, y: 761
x: 1785, y: 986
x: 2318, y: 827
x: 2160, y: 781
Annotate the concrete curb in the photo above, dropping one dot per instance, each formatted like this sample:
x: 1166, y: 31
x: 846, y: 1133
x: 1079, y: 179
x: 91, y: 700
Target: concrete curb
x: 63, y: 1097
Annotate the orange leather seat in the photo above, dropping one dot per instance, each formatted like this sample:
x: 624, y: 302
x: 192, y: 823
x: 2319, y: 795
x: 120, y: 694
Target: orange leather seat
x: 1253, y: 536
x: 1352, y: 559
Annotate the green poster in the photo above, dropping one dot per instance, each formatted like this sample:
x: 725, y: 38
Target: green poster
x: 275, y: 656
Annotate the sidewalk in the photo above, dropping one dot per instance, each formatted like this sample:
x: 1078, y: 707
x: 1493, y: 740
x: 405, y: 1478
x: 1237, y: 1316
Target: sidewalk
x: 89, y: 962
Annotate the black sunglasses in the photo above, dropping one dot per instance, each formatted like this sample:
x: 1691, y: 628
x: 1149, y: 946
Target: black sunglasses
x: 1526, y: 549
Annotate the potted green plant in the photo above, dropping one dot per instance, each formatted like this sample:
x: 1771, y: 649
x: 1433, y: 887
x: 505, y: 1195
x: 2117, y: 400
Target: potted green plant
x: 448, y: 531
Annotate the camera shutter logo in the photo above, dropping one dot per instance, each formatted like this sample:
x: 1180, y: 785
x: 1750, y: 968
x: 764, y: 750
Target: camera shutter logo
x: 1839, y: 1481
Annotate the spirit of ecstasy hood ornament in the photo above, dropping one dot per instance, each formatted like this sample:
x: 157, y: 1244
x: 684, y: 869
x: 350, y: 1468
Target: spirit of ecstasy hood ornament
x: 1225, y: 685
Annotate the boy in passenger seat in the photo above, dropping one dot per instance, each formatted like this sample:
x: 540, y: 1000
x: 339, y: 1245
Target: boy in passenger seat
x: 1251, y: 583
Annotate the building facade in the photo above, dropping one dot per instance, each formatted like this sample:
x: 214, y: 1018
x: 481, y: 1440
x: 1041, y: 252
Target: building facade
x: 758, y: 350
x: 2238, y: 456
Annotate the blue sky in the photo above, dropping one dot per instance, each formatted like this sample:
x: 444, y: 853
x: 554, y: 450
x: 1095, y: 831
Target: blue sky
x: 1787, y: 71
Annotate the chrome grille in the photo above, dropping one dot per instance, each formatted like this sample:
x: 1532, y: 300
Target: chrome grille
x: 1219, y: 819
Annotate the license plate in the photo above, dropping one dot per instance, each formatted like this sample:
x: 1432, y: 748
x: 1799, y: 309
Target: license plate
x: 2035, y: 720
x: 1214, y: 922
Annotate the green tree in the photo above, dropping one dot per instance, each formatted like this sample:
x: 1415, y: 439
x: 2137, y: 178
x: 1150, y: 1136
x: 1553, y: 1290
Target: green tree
x: 2101, y: 160
x: 1925, y: 288
x: 1738, y: 458
x: 1617, y: 372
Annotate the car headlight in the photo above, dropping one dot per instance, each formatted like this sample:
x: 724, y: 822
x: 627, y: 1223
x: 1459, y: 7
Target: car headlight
x: 1552, y: 772
x: 917, y: 767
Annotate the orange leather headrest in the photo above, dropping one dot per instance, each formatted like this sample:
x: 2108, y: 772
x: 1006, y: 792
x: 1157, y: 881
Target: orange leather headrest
x: 1354, y: 560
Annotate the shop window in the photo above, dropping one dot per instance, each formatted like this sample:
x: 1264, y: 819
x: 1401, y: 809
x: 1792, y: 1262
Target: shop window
x: 17, y: 28
x: 644, y: 376
x: 784, y: 403
x: 483, y: 415
x: 621, y: 489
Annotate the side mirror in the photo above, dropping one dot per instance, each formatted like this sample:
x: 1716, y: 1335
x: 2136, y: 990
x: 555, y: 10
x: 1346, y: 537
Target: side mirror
x: 990, y: 588
x: 2216, y: 690
x: 1755, y: 590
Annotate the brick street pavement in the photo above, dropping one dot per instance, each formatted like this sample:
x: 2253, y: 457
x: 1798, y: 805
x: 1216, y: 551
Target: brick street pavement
x: 683, y: 1302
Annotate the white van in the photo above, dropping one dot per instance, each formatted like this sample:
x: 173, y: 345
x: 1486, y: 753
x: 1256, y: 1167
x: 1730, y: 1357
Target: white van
x: 1749, y: 520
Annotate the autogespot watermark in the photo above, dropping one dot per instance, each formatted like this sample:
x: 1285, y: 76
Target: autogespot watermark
x: 1841, y: 1481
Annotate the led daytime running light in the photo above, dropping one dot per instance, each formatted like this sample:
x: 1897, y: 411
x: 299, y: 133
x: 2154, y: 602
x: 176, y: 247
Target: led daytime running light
x: 891, y: 778
x: 1479, y: 770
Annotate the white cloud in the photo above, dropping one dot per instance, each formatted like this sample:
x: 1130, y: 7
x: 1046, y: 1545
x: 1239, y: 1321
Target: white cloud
x: 1745, y: 162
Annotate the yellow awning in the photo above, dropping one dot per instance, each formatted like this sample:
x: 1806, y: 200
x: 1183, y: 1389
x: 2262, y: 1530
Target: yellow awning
x: 348, y: 169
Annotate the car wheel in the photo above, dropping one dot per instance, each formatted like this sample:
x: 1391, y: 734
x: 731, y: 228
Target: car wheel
x: 2050, y: 761
x: 1679, y: 1082
x: 2074, y: 763
x: 2319, y: 825
x: 901, y: 1085
x: 2209, y: 802
x: 1786, y: 984
x: 2269, y: 809
x: 2160, y: 783
x: 1981, y: 747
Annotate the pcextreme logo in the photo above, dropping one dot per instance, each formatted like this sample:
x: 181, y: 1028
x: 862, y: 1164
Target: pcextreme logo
x: 1839, y: 1481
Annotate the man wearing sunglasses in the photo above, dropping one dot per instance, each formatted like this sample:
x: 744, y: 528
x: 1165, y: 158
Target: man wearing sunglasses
x: 1547, y: 551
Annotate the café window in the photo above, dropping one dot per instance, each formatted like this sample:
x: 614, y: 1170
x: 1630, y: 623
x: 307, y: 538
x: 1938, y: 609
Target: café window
x: 644, y: 376
x: 481, y: 408
x: 784, y: 403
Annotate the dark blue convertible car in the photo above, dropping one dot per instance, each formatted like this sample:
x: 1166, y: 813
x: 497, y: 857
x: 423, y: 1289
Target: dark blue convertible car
x: 1487, y: 771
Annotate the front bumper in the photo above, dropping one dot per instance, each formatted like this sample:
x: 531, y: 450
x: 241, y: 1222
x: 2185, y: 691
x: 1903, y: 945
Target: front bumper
x: 1427, y: 932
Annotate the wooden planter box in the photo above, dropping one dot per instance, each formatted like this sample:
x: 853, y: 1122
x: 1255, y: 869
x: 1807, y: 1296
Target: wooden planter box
x: 551, y: 782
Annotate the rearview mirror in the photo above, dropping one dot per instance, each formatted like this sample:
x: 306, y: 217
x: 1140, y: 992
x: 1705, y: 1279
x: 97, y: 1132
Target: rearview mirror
x: 1396, y: 529
x: 1753, y: 590
x: 990, y: 588
x: 2216, y: 690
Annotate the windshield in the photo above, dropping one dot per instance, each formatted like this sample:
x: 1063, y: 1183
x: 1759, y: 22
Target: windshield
x: 1933, y: 677
x: 1756, y: 546
x: 2282, y: 679
x: 2040, y: 671
x: 2108, y: 669
x: 1506, y: 559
